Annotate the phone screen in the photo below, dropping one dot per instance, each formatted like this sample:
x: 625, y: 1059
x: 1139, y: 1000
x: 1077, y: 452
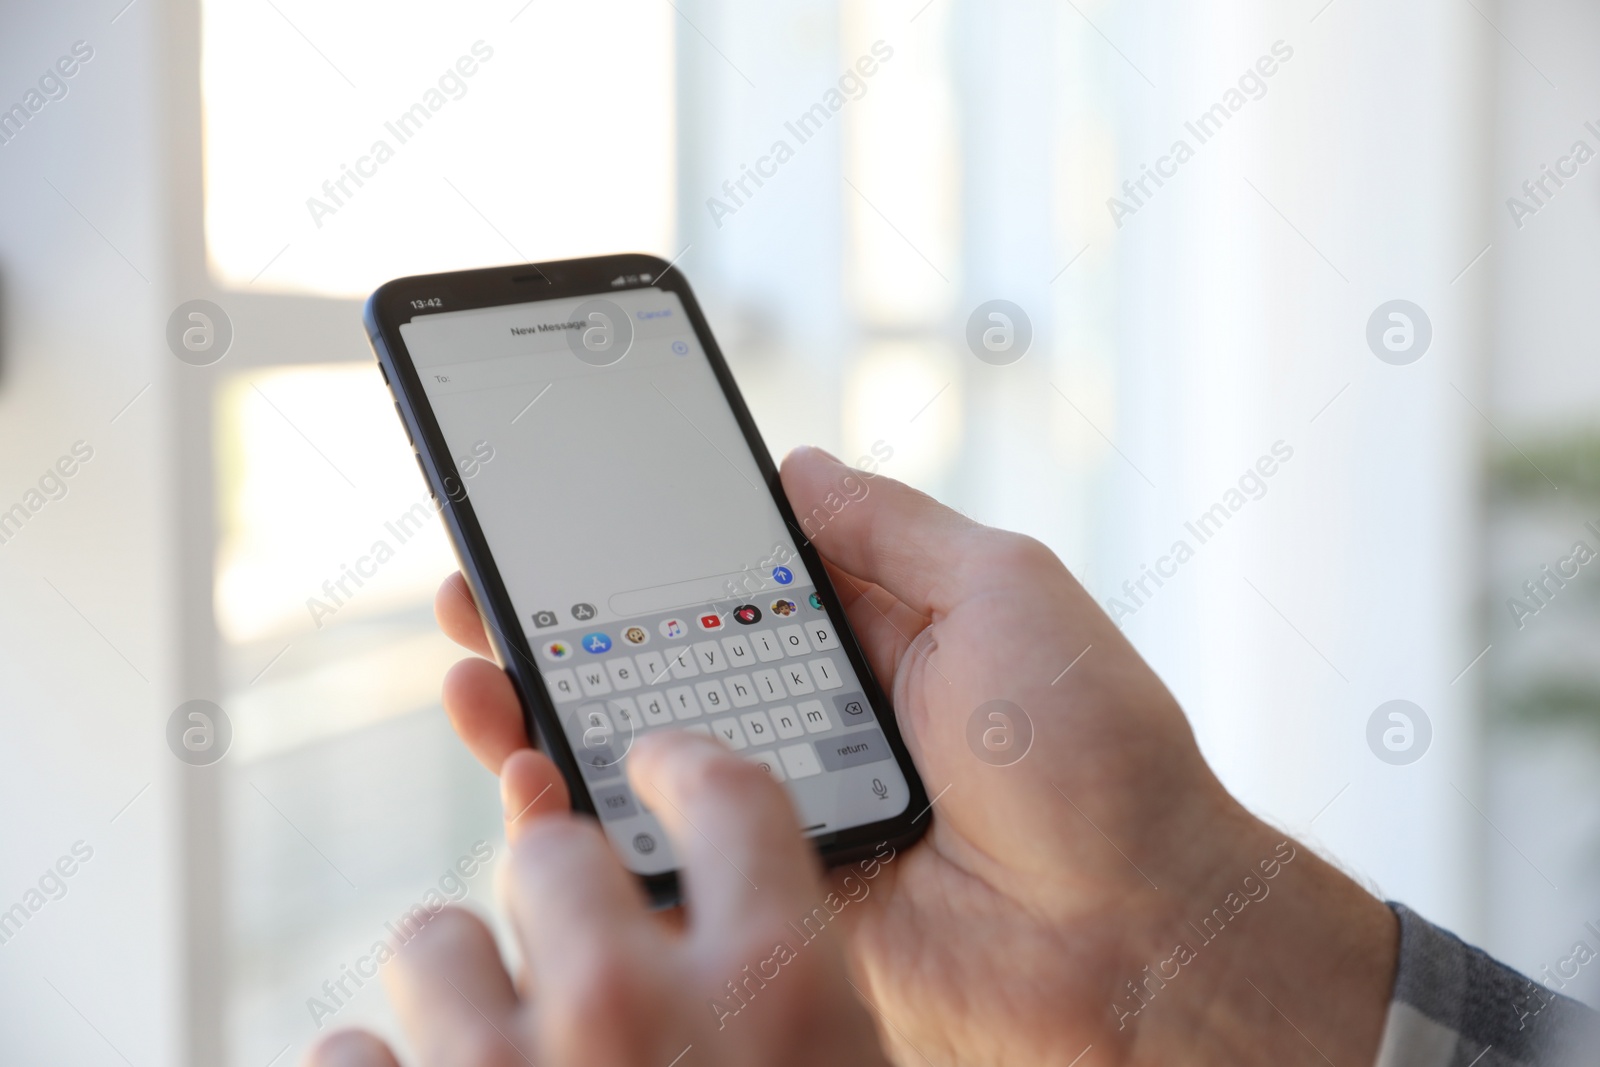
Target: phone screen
x: 651, y: 571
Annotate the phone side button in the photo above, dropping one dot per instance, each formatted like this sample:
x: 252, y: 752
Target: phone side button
x: 424, y: 471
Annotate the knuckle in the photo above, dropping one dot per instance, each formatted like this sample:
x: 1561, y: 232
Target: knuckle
x: 450, y: 925
x: 1021, y: 552
x: 546, y: 840
x: 484, y: 1046
x: 600, y: 1011
x: 348, y: 1048
x: 722, y: 774
x: 433, y: 936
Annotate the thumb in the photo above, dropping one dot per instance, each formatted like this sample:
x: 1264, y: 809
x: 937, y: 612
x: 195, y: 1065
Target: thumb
x: 881, y: 530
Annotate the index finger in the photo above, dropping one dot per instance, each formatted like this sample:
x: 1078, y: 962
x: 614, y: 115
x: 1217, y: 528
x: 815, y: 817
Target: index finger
x: 744, y: 862
x: 458, y: 615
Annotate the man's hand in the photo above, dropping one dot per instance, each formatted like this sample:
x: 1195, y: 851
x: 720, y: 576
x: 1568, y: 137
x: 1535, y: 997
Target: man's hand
x: 1090, y: 899
x: 605, y: 981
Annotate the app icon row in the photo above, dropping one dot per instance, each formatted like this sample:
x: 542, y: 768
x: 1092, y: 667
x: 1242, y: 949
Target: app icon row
x: 584, y: 611
x: 599, y: 643
x: 581, y: 611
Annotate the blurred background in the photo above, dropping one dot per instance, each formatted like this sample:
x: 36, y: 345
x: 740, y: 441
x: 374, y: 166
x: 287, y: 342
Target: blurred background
x: 1182, y: 330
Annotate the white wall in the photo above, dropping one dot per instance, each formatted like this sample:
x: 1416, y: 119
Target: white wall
x: 1239, y: 330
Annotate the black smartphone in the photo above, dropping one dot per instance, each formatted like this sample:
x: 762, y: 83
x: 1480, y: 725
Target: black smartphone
x: 630, y: 547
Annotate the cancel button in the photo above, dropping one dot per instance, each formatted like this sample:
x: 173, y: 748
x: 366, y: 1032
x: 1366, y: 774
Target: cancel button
x: 852, y: 750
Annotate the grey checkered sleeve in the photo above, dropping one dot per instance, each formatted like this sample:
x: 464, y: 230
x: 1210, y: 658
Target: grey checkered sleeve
x: 1454, y: 1006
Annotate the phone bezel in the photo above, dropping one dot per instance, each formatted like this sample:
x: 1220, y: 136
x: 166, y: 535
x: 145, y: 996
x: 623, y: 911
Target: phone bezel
x: 389, y: 307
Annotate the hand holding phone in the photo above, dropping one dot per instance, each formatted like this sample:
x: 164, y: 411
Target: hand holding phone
x: 1078, y: 834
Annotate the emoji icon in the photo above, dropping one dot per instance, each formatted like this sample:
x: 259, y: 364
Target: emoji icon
x: 783, y: 607
x: 747, y: 614
x: 673, y: 628
x: 557, y: 650
x: 596, y: 643
x: 635, y: 635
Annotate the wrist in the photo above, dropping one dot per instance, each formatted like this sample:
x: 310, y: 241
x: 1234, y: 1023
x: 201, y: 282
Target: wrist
x: 1275, y: 957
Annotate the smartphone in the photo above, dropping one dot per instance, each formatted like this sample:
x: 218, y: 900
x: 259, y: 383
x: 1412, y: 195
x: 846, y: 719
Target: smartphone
x: 628, y: 542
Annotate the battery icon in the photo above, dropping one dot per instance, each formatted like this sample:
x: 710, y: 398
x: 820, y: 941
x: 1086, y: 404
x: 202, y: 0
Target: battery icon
x: 644, y: 277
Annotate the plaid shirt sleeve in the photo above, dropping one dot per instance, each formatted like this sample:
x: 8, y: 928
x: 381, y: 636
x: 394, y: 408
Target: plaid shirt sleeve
x: 1454, y: 1006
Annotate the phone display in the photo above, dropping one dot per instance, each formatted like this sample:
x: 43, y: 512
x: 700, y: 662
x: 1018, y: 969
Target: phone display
x: 609, y: 494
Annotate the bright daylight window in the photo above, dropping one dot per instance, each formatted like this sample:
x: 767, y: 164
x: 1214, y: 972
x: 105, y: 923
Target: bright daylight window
x: 396, y: 139
x: 445, y: 111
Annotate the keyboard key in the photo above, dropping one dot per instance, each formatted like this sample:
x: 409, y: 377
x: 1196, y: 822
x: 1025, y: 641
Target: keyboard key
x: 652, y: 667
x: 727, y: 731
x: 796, y: 677
x: 758, y: 727
x: 738, y: 648
x: 800, y: 761
x: 793, y: 640
x: 825, y: 673
x: 742, y: 691
x: 821, y: 634
x: 598, y: 762
x: 815, y: 716
x: 853, y: 749
x: 563, y: 685
x: 614, y: 802
x: 852, y: 708
x: 684, y: 705
x: 594, y: 679
x: 624, y: 675
x: 712, y: 696
x: 766, y: 646
x: 769, y: 762
x: 683, y: 662
x: 769, y: 685
x: 655, y: 709
x: 709, y: 655
x: 594, y: 725
x: 787, y: 722
x: 625, y: 714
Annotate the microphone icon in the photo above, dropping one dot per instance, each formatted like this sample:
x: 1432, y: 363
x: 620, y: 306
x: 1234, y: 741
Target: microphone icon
x: 880, y: 790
